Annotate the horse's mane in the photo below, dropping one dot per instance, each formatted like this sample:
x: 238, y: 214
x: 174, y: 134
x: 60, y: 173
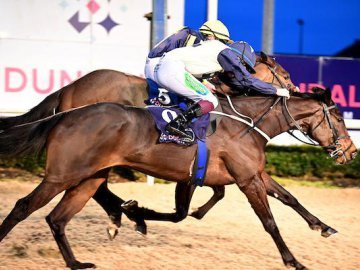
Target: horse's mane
x: 319, y: 94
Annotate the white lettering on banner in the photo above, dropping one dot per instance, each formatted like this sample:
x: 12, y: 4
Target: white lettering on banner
x: 348, y: 115
x: 166, y: 115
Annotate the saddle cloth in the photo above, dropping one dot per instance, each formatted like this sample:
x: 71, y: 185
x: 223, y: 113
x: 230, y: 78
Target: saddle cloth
x: 163, y: 115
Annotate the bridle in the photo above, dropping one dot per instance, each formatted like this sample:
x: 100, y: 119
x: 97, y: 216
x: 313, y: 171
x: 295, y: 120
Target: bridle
x: 334, y: 149
x: 275, y: 75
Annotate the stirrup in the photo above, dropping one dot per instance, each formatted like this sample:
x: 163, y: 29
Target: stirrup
x: 177, y: 132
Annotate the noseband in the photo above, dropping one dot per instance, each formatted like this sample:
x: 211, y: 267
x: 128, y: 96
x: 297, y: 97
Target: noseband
x: 334, y: 149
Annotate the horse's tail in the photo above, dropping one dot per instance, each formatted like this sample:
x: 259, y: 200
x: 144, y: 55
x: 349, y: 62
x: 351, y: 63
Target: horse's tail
x: 28, y: 138
x: 45, y: 108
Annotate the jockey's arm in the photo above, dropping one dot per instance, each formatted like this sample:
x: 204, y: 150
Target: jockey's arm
x: 242, y: 78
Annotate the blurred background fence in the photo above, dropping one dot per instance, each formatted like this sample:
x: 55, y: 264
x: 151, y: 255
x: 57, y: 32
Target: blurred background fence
x: 299, y: 162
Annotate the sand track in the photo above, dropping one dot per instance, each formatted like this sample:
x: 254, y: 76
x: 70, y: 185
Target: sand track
x: 229, y: 237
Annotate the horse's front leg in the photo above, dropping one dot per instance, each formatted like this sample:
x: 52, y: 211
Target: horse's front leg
x: 255, y: 191
x: 219, y: 193
x: 183, y: 195
x: 277, y: 191
x: 71, y: 203
x: 112, y: 206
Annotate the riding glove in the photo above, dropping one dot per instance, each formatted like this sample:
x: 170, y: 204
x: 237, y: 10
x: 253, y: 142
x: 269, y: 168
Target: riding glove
x: 283, y: 92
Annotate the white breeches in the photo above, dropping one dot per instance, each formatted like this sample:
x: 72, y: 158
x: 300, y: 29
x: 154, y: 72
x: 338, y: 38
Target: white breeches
x: 172, y: 75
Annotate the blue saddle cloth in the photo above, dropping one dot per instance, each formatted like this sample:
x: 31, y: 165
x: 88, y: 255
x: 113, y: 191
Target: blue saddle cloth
x: 163, y: 115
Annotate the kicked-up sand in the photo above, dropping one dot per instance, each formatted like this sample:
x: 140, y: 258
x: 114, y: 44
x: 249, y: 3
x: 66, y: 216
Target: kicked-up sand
x: 229, y: 237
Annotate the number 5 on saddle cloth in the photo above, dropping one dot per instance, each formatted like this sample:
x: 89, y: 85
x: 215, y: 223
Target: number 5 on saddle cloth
x: 164, y: 106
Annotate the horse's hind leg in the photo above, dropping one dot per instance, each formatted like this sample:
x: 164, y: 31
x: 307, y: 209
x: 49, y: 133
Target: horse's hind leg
x: 277, y: 191
x: 183, y: 195
x: 110, y: 203
x: 39, y: 197
x: 72, y: 202
x: 255, y: 192
x: 219, y: 193
x: 112, y: 206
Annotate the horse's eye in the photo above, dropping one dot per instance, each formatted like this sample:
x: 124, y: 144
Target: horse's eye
x: 340, y: 119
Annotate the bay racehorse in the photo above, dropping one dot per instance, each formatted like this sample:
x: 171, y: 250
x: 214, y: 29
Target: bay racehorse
x: 94, y: 138
x: 115, y: 86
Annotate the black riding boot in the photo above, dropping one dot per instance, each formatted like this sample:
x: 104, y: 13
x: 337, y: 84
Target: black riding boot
x: 179, y: 124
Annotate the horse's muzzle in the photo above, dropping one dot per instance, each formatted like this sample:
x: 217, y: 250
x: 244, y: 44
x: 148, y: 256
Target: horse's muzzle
x: 344, y: 157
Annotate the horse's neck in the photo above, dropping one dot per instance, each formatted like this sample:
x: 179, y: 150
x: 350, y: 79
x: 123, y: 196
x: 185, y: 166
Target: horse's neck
x: 263, y: 73
x: 277, y: 121
x: 282, y: 120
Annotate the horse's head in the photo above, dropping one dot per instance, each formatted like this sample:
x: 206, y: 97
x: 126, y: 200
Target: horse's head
x: 327, y: 127
x: 268, y: 70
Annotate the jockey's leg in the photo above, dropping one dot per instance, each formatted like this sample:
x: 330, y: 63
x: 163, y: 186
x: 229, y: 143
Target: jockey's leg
x: 171, y: 75
x: 178, y: 125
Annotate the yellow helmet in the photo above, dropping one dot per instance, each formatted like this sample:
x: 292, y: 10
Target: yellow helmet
x: 215, y: 28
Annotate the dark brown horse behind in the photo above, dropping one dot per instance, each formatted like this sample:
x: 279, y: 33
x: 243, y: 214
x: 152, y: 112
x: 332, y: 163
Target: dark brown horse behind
x: 94, y: 138
x: 114, y: 86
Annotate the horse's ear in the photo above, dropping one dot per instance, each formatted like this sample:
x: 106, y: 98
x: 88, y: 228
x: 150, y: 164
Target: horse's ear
x: 327, y: 96
x: 263, y: 57
x: 323, y: 94
x: 318, y: 90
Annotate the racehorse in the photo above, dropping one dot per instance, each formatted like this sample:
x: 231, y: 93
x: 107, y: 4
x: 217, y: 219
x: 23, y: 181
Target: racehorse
x: 114, y: 86
x: 94, y: 138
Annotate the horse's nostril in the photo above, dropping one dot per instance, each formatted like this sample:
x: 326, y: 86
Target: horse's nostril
x: 354, y: 154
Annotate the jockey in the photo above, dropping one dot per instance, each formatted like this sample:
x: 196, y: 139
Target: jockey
x: 179, y: 71
x: 213, y: 29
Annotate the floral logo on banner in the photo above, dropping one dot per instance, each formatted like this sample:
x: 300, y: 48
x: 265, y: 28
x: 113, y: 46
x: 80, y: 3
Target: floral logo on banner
x: 93, y: 7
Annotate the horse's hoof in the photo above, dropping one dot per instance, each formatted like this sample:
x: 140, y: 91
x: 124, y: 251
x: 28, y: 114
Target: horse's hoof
x: 112, y: 232
x: 129, y: 205
x: 328, y: 231
x: 141, y: 229
x: 116, y: 220
x: 78, y: 265
x: 196, y: 214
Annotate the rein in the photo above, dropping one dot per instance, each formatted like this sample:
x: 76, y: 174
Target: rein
x: 262, y: 117
x: 276, y: 76
x: 239, y: 119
